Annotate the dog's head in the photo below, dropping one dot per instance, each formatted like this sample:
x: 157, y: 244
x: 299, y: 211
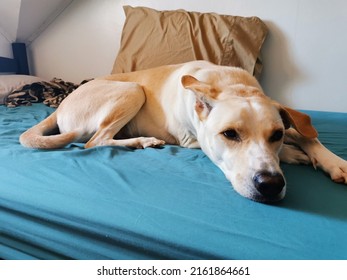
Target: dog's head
x: 242, y: 131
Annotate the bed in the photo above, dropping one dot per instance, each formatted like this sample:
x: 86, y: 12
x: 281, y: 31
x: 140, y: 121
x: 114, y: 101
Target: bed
x: 164, y: 203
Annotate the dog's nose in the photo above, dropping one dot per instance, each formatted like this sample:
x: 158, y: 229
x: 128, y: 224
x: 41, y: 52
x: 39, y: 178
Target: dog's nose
x: 269, y: 184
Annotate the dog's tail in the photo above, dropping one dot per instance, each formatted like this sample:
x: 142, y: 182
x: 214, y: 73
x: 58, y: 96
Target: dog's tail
x: 41, y: 136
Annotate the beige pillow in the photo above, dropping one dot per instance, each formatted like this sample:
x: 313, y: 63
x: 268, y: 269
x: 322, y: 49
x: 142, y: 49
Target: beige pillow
x: 152, y: 38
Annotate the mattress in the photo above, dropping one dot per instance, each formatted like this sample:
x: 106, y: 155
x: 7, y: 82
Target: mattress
x: 164, y: 203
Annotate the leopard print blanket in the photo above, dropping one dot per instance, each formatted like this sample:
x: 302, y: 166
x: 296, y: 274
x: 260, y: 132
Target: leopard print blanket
x: 50, y: 93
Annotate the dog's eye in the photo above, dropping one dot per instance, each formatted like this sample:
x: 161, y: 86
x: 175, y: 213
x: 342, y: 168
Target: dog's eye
x: 276, y: 136
x: 231, y: 134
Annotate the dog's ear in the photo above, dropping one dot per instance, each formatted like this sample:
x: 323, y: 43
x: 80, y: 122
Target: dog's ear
x: 300, y: 121
x: 204, y: 93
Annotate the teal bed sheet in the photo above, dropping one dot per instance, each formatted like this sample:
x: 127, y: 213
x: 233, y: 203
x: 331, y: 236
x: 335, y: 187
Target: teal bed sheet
x: 167, y: 203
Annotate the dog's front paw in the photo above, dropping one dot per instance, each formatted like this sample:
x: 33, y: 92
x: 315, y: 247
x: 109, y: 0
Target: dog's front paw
x: 332, y: 164
x: 338, y: 171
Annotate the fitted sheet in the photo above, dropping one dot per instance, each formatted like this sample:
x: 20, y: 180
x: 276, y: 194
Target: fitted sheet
x: 165, y: 203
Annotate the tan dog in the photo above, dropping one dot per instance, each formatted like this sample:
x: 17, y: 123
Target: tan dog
x: 220, y: 109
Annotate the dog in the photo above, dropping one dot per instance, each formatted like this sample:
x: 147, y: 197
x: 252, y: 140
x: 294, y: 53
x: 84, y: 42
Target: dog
x: 197, y: 104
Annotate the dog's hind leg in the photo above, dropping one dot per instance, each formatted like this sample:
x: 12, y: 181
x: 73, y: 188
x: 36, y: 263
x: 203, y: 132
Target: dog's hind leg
x: 124, y: 110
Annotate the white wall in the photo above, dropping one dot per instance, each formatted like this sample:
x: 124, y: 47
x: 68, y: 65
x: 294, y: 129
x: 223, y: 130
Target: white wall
x: 305, y: 54
x: 5, y: 47
x: 82, y: 43
x: 9, y: 10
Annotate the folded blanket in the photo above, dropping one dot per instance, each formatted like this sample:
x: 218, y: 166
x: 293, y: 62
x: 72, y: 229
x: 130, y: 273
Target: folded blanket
x: 50, y: 93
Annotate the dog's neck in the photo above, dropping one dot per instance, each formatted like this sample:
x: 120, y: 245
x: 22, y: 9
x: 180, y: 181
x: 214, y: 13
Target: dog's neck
x: 183, y: 123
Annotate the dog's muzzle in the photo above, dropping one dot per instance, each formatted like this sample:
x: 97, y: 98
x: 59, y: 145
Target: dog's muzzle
x: 269, y: 185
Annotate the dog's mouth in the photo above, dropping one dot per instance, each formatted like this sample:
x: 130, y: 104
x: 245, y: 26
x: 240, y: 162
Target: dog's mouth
x: 264, y: 187
x: 260, y: 185
x: 257, y: 197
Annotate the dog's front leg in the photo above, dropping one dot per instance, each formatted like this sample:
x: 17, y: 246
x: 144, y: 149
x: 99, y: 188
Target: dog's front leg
x: 319, y: 155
